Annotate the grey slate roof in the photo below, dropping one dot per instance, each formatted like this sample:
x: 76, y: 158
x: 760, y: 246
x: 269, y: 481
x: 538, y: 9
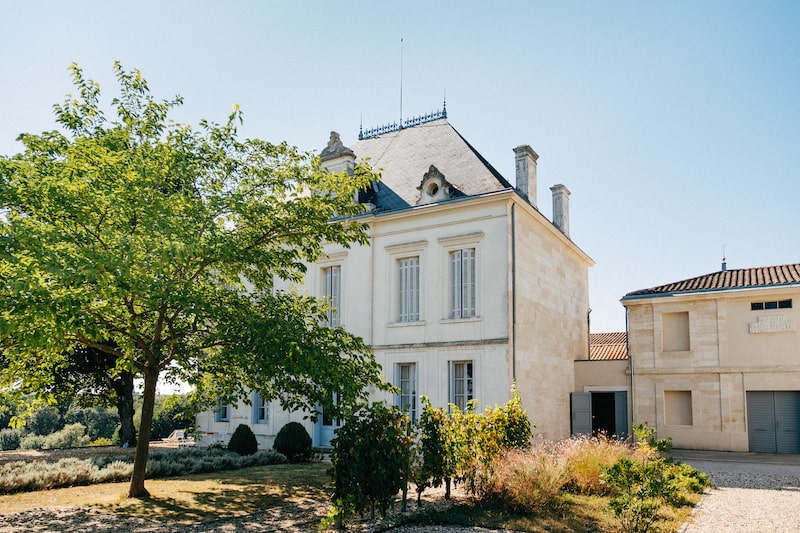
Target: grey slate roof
x: 403, y: 157
x: 770, y: 276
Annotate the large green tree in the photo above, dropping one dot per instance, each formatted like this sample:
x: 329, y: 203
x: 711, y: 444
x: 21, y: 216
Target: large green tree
x: 158, y: 244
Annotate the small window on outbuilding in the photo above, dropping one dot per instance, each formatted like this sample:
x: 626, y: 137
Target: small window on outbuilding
x: 775, y: 304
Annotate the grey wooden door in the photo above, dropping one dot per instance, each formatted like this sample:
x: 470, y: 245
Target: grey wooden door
x: 773, y: 421
x: 581, y: 406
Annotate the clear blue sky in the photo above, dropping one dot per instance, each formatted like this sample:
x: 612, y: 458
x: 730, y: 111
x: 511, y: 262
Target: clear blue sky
x: 676, y: 125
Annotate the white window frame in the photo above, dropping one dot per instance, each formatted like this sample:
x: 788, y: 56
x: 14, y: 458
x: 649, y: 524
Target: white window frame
x: 332, y: 292
x: 410, y: 311
x: 260, y: 409
x: 462, y: 283
x: 408, y: 387
x: 408, y: 289
x: 462, y: 387
x: 462, y: 260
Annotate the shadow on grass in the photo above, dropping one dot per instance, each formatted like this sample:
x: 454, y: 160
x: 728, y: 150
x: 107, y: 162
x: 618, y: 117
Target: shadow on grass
x: 277, y: 490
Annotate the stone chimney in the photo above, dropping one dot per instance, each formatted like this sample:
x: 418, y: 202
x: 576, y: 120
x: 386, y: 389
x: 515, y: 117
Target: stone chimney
x: 525, y: 159
x: 561, y: 208
x: 336, y: 157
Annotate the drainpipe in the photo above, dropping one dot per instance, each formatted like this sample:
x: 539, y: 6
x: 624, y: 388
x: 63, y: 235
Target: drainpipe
x: 630, y: 363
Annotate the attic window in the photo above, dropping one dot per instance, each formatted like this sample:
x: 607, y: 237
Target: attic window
x: 434, y: 187
x: 781, y: 304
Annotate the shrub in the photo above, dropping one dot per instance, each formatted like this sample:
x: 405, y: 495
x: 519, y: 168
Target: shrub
x: 588, y: 457
x: 433, y: 459
x: 9, y: 439
x: 370, y: 460
x: 44, y: 421
x: 102, y: 441
x: 294, y: 442
x: 99, y: 423
x: 243, y: 441
x: 72, y: 436
x: 525, y: 481
x: 32, y: 441
x: 22, y: 476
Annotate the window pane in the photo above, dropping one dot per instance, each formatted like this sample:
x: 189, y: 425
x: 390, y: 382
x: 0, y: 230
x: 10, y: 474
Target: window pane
x: 462, y: 283
x: 408, y: 289
x: 333, y: 293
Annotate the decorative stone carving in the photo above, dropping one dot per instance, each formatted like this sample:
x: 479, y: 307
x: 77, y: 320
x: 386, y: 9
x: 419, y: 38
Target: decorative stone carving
x: 335, y: 148
x: 771, y: 324
x: 434, y: 187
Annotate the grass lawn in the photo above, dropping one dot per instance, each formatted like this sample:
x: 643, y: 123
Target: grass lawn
x: 231, y: 493
x: 192, y: 498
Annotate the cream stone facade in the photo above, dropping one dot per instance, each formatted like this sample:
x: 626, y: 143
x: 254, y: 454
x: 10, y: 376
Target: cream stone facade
x: 716, y: 360
x: 465, y: 286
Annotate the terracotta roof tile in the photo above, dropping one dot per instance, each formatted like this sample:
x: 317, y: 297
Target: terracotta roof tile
x: 728, y: 279
x: 608, y: 346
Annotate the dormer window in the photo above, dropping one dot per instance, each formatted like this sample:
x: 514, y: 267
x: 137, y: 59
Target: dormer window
x: 434, y: 187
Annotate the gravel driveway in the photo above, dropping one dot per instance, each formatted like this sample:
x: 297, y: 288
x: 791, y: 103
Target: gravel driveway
x: 752, y: 493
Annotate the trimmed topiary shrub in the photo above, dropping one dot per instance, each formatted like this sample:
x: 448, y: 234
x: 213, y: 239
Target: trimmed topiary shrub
x: 294, y: 442
x: 243, y: 441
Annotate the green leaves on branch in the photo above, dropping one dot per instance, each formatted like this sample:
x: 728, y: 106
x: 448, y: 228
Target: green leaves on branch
x: 158, y: 244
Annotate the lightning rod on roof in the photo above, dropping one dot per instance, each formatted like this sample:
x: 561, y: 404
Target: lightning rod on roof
x: 401, y: 82
x: 724, y: 261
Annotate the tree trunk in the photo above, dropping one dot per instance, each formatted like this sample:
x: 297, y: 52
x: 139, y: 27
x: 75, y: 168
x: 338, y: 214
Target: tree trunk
x: 136, y: 489
x: 123, y: 387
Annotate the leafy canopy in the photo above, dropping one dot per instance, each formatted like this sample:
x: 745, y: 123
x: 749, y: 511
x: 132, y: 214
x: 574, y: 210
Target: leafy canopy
x: 158, y: 244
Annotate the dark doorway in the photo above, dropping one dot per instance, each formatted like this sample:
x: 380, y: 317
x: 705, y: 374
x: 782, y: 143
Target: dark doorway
x: 603, y: 420
x: 594, y: 412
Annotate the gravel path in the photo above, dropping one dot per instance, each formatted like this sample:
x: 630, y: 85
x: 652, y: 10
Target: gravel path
x: 752, y: 493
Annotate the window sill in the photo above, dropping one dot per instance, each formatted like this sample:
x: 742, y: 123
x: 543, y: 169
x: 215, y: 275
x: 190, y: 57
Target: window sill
x: 405, y: 324
x: 461, y: 320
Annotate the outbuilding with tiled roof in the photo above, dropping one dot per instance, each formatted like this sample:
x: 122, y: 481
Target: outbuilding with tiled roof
x: 715, y: 359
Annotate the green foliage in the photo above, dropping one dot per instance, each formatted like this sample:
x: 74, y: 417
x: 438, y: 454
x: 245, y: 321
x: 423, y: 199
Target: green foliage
x: 433, y: 454
x: 243, y: 441
x: 294, y: 442
x: 99, y: 422
x: 158, y: 244
x: 9, y: 439
x: 176, y: 412
x: 645, y: 437
x: 71, y: 436
x: 480, y: 439
x: 32, y: 441
x: 370, y: 460
x: 102, y: 441
x: 639, y: 488
x: 44, y: 421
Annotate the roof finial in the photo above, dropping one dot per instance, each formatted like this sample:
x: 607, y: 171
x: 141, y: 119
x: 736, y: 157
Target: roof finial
x: 444, y: 105
x: 724, y: 261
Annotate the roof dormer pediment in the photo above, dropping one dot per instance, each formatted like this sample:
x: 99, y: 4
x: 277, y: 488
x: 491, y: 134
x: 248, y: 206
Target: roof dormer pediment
x: 434, y: 187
